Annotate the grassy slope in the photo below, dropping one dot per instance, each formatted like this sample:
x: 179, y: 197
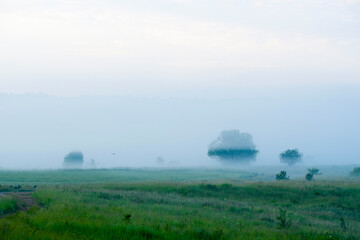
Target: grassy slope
x: 190, y: 211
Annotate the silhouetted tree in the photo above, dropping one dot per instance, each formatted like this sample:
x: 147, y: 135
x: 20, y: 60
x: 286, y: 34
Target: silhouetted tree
x: 291, y: 156
x: 233, y: 147
x: 73, y: 159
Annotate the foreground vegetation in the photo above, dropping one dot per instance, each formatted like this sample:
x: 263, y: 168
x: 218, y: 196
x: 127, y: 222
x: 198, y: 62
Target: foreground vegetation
x: 177, y: 204
x: 153, y: 210
x: 7, y: 205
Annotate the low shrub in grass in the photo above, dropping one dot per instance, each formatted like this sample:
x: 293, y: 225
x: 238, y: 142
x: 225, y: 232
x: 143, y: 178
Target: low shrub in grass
x: 283, y: 221
x: 282, y: 176
x: 309, y: 176
x: 127, y: 218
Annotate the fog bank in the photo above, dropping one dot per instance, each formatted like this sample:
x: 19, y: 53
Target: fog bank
x: 37, y: 131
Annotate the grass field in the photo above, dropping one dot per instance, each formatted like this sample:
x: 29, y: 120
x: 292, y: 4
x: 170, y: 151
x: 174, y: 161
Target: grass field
x: 178, y: 204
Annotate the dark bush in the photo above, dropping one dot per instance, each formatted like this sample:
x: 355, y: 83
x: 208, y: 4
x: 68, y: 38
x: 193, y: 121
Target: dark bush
x: 127, y: 218
x: 309, y: 176
x: 282, y: 176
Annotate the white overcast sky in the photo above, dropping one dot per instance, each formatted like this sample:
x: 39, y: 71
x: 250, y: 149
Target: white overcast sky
x: 143, y: 47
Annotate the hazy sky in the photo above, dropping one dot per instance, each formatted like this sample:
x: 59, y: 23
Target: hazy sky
x: 173, y: 47
x: 173, y: 74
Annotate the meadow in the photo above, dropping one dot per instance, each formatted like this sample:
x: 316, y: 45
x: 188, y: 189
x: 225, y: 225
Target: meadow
x: 178, y: 204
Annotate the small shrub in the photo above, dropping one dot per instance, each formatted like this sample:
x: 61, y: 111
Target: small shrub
x: 309, y: 176
x: 343, y: 224
x: 283, y: 222
x: 282, y: 176
x: 127, y: 218
x: 355, y: 172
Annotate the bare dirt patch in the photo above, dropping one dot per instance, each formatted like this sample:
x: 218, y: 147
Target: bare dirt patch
x: 24, y: 200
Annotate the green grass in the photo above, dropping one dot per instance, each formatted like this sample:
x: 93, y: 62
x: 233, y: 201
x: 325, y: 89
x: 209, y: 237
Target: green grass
x: 7, y: 205
x: 247, y: 173
x: 190, y: 211
x: 180, y: 204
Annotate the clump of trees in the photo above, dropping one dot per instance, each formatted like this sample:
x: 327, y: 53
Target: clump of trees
x: 233, y: 147
x: 282, y: 176
x: 355, y: 172
x: 291, y: 157
x: 74, y: 159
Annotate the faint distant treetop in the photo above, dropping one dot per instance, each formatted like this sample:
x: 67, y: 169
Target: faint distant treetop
x: 233, y: 147
x: 314, y: 171
x: 355, y: 172
x: 92, y: 163
x: 160, y: 160
x: 73, y: 159
x: 291, y: 156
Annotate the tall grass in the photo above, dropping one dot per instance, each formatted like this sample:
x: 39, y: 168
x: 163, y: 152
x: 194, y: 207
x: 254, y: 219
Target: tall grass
x: 7, y: 205
x: 190, y: 211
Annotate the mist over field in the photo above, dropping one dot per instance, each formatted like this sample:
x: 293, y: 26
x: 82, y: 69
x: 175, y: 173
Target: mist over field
x: 128, y: 83
x: 38, y: 130
x: 180, y: 119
